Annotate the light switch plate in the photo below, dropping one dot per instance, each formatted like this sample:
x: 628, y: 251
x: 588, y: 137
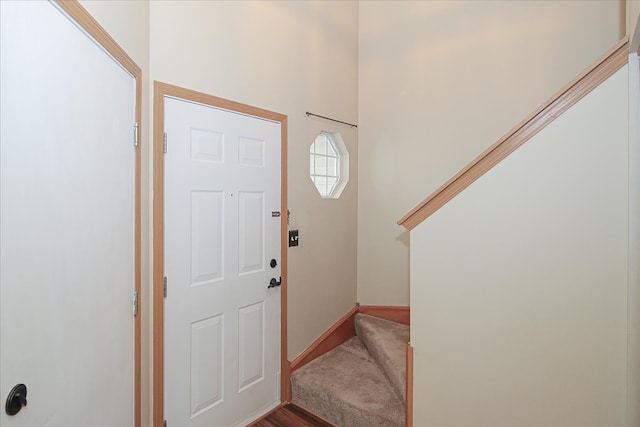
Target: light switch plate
x: 293, y: 238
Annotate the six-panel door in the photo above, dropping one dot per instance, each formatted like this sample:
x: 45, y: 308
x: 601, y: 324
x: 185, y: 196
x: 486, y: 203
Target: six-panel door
x: 222, y: 229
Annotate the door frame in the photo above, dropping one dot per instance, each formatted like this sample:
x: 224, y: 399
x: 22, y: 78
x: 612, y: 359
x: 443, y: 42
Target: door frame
x: 160, y: 90
x: 83, y: 19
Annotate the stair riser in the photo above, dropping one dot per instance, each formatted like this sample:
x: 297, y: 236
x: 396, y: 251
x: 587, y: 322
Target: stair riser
x: 386, y: 341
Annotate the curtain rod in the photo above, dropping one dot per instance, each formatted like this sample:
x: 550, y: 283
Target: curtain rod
x: 333, y: 120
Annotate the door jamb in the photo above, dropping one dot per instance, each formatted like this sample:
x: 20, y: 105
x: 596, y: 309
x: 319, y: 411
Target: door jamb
x: 78, y: 14
x: 160, y: 90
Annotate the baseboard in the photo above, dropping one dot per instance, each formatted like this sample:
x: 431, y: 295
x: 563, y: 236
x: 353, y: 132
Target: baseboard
x: 399, y: 314
x: 337, y: 334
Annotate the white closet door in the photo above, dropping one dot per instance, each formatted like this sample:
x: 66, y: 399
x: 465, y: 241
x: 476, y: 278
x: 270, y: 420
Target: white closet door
x: 67, y: 222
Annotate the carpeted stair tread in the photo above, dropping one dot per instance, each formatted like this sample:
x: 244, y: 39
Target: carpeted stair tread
x: 387, y: 344
x: 346, y: 386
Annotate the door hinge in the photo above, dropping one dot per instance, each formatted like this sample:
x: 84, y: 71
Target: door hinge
x: 135, y: 303
x: 164, y: 142
x: 165, y: 286
x: 135, y: 134
x: 164, y: 424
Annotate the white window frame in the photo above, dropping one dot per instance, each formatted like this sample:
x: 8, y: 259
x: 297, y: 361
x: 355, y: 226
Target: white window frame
x: 330, y: 181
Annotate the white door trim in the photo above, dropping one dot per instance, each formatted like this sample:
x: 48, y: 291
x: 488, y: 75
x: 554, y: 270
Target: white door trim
x: 162, y: 90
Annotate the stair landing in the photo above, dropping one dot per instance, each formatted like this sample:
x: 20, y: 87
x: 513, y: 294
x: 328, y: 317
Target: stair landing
x: 349, y: 386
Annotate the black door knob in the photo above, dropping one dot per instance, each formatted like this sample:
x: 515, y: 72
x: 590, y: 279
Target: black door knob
x: 16, y: 400
x: 273, y: 283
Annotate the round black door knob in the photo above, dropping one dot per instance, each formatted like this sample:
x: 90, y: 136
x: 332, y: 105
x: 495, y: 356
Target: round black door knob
x: 16, y: 400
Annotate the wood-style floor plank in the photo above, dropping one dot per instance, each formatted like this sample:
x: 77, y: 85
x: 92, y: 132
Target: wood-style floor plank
x: 291, y: 415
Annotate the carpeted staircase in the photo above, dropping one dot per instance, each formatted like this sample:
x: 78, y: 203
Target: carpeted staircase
x: 361, y: 383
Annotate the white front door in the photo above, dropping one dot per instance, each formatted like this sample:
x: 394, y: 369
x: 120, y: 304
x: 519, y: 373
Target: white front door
x: 222, y: 249
x: 67, y: 212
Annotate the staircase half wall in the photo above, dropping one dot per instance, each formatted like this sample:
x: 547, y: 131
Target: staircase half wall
x: 519, y: 283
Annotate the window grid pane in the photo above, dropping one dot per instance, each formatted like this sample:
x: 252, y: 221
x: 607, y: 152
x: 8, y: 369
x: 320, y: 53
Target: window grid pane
x: 324, y: 165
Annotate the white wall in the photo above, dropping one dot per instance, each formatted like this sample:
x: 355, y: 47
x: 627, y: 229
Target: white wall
x: 521, y: 281
x: 439, y: 83
x: 633, y: 315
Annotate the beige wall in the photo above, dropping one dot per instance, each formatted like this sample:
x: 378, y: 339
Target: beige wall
x: 632, y: 15
x: 417, y: 61
x: 289, y: 57
x: 438, y: 83
x: 521, y: 281
x: 632, y: 12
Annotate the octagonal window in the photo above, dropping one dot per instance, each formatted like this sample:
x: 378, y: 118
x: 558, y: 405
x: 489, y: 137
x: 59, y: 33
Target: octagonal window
x: 329, y: 164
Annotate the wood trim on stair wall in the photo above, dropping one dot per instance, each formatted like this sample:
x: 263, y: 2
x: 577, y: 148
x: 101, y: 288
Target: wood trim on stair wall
x: 602, y: 69
x: 399, y: 314
x: 337, y: 334
x: 409, y: 403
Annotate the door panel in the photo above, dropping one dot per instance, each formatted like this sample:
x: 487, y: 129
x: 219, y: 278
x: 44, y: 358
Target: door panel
x: 207, y: 212
x: 207, y: 351
x: 222, y: 323
x: 251, y: 232
x: 251, y: 342
x: 67, y: 232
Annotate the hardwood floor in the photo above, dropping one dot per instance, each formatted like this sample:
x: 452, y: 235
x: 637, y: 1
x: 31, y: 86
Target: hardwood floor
x: 291, y: 415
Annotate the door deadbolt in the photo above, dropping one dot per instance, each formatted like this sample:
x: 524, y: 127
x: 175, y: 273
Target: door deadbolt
x: 273, y: 263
